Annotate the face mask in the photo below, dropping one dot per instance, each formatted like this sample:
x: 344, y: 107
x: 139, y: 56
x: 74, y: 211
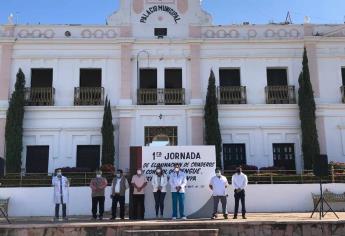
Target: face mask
x: 98, y: 176
x: 218, y: 174
x: 158, y: 171
x: 118, y: 175
x: 177, y: 169
x: 58, y: 174
x: 139, y: 172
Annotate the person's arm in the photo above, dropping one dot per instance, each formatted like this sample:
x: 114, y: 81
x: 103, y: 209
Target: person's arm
x: 126, y: 183
x: 53, y: 181
x: 210, y: 185
x: 226, y: 182
x: 105, y: 183
x: 184, y: 181
x: 245, y: 181
x: 233, y: 182
x: 133, y: 183
x: 92, y: 185
x: 145, y: 183
x: 154, y: 182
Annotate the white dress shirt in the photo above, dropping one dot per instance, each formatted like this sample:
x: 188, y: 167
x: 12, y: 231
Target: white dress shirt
x: 219, y: 185
x: 239, y: 181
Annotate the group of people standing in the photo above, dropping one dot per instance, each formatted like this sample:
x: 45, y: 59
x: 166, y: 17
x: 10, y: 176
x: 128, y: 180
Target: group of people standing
x: 177, y: 181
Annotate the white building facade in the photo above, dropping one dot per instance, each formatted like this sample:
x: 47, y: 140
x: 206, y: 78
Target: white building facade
x: 153, y: 61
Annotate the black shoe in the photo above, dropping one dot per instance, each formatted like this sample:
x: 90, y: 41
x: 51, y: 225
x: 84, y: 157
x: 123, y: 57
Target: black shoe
x: 225, y: 216
x: 244, y: 217
x: 100, y: 218
x: 122, y: 218
x: 94, y: 217
x: 113, y: 218
x: 214, y: 216
x: 235, y: 217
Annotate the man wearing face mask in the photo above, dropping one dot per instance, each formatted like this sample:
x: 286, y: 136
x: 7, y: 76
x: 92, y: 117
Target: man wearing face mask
x: 178, y: 182
x: 159, y: 183
x: 118, y: 192
x: 139, y: 183
x: 60, y: 184
x: 239, y: 183
x: 98, y: 186
x: 218, y: 185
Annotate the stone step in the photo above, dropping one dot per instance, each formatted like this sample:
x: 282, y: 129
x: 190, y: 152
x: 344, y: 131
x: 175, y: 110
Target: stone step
x: 172, y: 232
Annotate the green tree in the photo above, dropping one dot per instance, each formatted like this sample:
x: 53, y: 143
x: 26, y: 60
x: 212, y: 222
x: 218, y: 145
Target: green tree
x: 108, y: 147
x: 14, y: 126
x: 306, y: 103
x: 212, y: 131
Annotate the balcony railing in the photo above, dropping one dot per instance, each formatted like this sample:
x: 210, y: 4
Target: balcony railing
x: 280, y: 94
x: 161, y: 96
x: 342, y: 89
x: 88, y: 96
x: 232, y: 95
x: 43, y: 96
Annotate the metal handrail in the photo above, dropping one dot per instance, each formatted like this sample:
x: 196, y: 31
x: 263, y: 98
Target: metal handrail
x: 39, y: 96
x: 280, y: 94
x: 254, y: 177
x: 88, y: 96
x: 232, y: 95
x: 161, y: 96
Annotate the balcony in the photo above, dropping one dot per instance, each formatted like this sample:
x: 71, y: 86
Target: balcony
x: 39, y: 96
x: 88, y: 96
x: 342, y: 89
x: 232, y: 95
x: 280, y: 94
x: 161, y: 96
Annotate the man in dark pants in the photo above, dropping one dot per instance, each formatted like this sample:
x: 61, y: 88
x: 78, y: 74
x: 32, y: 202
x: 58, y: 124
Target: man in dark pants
x: 98, y: 186
x: 239, y: 183
x: 118, y: 192
x: 60, y: 184
x: 139, y: 183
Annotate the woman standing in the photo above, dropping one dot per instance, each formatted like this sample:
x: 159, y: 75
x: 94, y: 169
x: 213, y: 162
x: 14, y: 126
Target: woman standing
x: 159, y: 183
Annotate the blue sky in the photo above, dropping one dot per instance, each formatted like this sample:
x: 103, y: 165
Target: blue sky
x: 223, y: 11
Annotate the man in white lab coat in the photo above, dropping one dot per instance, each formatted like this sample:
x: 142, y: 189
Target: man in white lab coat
x: 60, y: 184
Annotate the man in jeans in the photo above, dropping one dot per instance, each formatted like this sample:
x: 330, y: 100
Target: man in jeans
x: 178, y: 182
x: 118, y: 192
x: 98, y: 186
x: 139, y: 183
x: 218, y: 185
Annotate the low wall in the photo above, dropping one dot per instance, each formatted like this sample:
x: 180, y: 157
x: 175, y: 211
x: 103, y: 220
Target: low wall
x: 259, y: 198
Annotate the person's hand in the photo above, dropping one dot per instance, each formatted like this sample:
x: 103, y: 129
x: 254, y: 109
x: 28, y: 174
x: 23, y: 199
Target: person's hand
x: 139, y: 189
x: 211, y: 187
x: 178, y: 188
x: 159, y: 188
x: 111, y: 196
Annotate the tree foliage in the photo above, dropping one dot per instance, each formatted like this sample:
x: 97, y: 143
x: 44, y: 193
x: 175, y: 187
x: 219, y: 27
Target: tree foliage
x: 212, y: 130
x: 307, y: 108
x: 14, y: 126
x: 108, y: 146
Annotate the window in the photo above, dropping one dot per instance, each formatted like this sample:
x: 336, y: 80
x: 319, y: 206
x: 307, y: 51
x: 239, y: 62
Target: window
x: 229, y: 77
x: 90, y: 78
x: 148, y: 78
x: 276, y: 77
x: 284, y: 156
x: 173, y: 78
x: 158, y: 135
x: 41, y: 78
x: 234, y: 155
x: 88, y: 156
x: 343, y: 75
x: 37, y: 159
